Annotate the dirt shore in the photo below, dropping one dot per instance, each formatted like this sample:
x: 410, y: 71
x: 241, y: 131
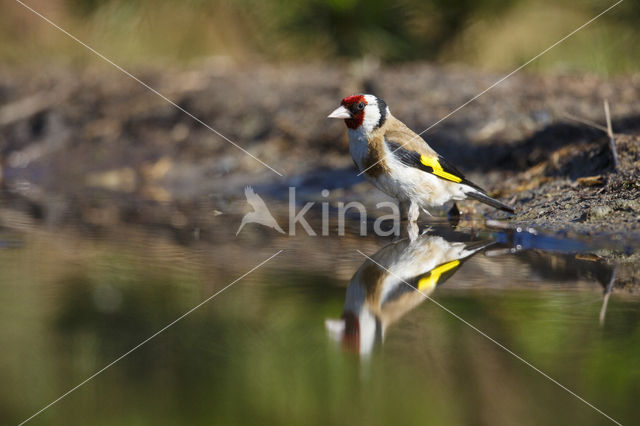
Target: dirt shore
x: 67, y: 132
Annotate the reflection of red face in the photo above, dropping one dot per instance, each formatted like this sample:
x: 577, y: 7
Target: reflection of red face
x: 351, y: 336
x: 355, y: 104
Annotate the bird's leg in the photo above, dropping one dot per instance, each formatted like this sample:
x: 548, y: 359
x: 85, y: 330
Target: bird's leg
x: 403, y: 206
x: 414, y: 212
x: 412, y: 226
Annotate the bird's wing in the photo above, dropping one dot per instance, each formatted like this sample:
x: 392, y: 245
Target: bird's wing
x: 429, y: 280
x: 428, y: 162
x: 396, y: 131
x: 426, y: 281
x: 436, y: 276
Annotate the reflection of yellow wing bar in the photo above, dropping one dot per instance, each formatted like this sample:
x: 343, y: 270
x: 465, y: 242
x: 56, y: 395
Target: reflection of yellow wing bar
x: 437, y: 168
x: 427, y: 283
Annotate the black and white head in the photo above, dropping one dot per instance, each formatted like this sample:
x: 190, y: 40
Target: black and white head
x: 357, y: 332
x: 362, y: 112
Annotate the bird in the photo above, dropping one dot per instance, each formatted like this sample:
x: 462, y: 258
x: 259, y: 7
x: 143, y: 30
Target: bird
x: 395, y: 280
x: 260, y: 213
x: 400, y: 163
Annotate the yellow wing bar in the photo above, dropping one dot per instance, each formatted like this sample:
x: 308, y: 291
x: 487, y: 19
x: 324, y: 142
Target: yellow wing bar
x: 432, y: 279
x: 437, y: 168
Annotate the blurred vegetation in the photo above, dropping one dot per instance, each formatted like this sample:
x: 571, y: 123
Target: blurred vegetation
x: 491, y: 34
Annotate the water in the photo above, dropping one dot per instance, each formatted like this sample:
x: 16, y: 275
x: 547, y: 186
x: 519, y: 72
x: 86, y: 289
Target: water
x: 282, y: 345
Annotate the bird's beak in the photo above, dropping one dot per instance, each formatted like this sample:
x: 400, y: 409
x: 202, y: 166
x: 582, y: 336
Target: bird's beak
x: 340, y: 112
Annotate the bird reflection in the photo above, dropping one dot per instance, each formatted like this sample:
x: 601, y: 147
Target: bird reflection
x: 392, y: 282
x: 404, y: 273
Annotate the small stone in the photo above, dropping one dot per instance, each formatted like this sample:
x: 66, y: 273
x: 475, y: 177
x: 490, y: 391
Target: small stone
x: 599, y: 212
x: 123, y: 179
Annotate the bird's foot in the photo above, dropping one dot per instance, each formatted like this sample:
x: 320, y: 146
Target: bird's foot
x: 413, y: 230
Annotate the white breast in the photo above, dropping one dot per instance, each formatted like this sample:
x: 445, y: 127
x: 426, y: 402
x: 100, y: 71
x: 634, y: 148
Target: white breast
x: 358, y: 146
x: 404, y: 183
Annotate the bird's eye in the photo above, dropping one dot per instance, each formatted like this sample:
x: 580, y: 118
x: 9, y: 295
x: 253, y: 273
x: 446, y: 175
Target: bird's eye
x: 360, y: 106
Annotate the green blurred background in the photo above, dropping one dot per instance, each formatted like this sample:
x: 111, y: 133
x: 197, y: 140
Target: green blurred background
x: 259, y: 354
x: 492, y: 34
x: 78, y: 288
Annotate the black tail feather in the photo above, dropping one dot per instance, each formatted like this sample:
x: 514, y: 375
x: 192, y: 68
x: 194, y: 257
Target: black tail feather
x: 484, y: 198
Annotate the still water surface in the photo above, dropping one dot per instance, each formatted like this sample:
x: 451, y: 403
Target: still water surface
x: 320, y: 334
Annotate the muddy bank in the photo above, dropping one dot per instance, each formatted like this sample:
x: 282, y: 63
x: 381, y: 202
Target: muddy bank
x: 65, y: 133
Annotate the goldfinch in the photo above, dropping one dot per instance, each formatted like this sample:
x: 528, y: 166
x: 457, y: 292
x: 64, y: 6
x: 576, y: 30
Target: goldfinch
x: 399, y: 162
x: 383, y: 289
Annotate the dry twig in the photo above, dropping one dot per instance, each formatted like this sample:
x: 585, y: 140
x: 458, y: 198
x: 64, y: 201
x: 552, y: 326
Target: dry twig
x: 607, y: 294
x: 612, y: 141
x: 584, y: 121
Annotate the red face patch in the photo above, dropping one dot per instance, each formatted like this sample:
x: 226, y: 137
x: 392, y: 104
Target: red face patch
x: 355, y: 104
x: 351, y: 336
